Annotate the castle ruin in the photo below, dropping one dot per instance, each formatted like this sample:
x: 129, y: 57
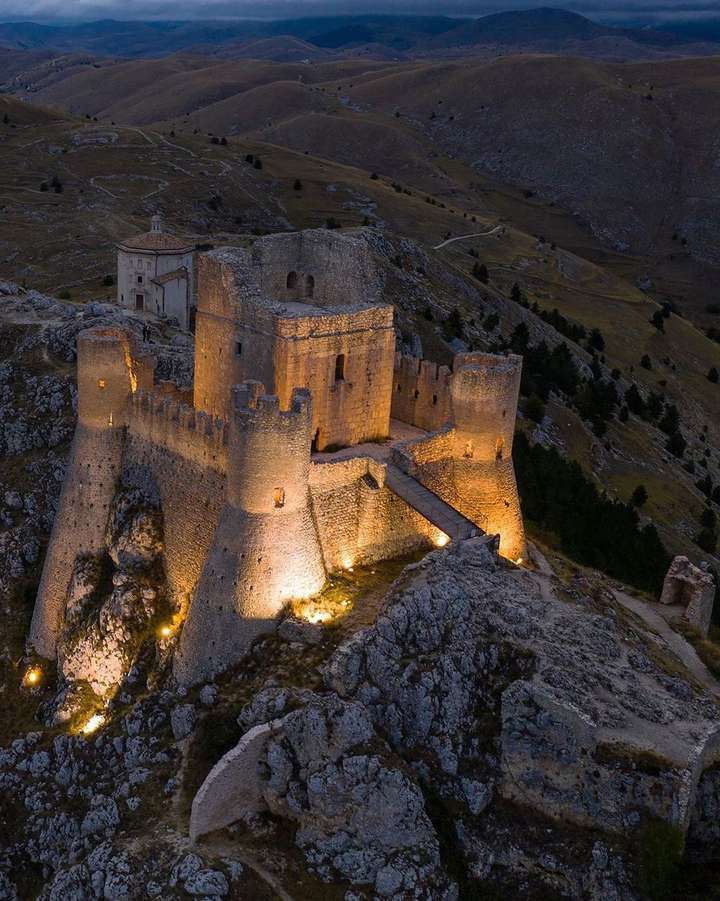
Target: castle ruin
x: 309, y: 445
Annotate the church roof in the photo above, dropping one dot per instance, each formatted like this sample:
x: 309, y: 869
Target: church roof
x: 156, y: 241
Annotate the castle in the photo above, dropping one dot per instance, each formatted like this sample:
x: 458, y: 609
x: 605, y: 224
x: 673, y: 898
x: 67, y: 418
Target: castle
x: 310, y: 445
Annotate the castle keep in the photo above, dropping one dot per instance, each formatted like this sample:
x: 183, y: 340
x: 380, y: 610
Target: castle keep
x: 309, y: 445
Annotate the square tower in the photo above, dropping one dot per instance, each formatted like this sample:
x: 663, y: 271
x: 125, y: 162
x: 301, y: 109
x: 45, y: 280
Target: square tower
x: 298, y: 310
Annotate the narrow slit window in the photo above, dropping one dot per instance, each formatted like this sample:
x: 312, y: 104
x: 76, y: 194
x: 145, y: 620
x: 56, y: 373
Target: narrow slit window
x: 434, y: 400
x: 340, y: 368
x: 238, y: 348
x: 292, y: 280
x: 499, y: 447
x: 279, y: 497
x: 102, y: 384
x: 310, y: 286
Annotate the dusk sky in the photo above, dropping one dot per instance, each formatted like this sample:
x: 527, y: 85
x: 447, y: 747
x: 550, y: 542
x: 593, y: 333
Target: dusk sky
x: 67, y: 10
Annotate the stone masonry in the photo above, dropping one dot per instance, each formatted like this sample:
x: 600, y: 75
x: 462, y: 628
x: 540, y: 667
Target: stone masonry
x: 693, y: 588
x: 285, y: 468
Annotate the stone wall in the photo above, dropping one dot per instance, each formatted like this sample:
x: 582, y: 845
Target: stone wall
x: 266, y: 550
x: 359, y: 521
x: 110, y: 368
x: 346, y: 362
x: 421, y: 392
x: 341, y: 267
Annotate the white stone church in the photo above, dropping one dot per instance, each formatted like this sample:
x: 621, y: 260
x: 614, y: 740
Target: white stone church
x: 155, y: 274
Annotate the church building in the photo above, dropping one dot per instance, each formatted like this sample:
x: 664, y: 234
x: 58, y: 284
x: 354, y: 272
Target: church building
x: 155, y: 275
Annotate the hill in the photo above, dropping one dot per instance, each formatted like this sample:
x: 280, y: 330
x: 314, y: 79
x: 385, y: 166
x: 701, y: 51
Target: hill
x: 113, y: 178
x: 552, y: 29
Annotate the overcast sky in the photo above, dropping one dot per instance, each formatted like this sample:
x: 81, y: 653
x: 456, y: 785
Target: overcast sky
x: 64, y: 10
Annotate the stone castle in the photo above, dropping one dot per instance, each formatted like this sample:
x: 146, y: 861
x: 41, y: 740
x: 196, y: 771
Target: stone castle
x: 309, y: 445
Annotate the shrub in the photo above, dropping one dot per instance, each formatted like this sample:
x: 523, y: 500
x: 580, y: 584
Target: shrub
x: 676, y: 444
x: 534, y: 408
x: 297, y: 186
x: 639, y: 496
x: 660, y: 852
x: 713, y: 375
x: 646, y: 362
x: 480, y: 271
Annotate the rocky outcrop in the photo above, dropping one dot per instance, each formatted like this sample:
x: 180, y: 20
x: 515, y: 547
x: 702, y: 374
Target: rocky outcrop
x: 541, y: 701
x: 359, y: 817
x: 114, y: 600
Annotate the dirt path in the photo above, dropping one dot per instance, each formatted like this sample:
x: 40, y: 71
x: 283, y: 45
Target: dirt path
x: 648, y: 612
x: 223, y: 848
x: 677, y: 644
x: 493, y: 231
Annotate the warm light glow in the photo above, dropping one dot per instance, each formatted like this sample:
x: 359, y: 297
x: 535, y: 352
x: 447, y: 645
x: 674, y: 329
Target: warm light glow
x: 32, y: 676
x: 347, y: 563
x: 319, y: 616
x: 441, y: 539
x: 93, y: 724
x: 520, y: 561
x: 165, y: 631
x: 130, y: 363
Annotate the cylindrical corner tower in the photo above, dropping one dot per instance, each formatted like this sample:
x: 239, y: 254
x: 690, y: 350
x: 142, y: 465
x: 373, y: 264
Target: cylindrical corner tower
x: 484, y: 392
x: 266, y: 550
x: 108, y: 372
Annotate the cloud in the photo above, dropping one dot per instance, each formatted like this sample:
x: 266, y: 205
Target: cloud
x: 87, y: 10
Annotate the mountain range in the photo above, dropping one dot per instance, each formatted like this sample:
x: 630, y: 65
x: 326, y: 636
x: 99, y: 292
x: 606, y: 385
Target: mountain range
x: 551, y: 29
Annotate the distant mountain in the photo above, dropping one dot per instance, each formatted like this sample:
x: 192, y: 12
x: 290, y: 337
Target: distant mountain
x: 552, y: 30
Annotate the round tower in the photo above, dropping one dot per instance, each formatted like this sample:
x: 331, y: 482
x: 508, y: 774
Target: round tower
x: 108, y: 372
x: 266, y: 550
x: 484, y: 392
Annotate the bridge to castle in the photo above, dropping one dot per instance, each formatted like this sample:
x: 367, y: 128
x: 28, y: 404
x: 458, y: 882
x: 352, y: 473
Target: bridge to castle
x: 446, y: 518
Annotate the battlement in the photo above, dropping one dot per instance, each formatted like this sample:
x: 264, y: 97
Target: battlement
x: 179, y: 428
x: 252, y: 406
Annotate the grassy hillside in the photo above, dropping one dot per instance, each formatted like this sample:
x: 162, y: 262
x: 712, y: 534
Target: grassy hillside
x: 114, y: 177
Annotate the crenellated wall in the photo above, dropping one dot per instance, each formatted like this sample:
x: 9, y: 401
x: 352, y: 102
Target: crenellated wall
x: 252, y: 518
x: 266, y: 550
x: 421, y: 392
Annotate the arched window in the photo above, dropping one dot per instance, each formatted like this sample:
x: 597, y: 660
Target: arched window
x: 310, y: 286
x: 279, y: 497
x: 340, y: 367
x: 292, y: 281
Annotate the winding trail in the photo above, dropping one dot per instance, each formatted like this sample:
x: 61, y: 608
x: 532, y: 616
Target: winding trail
x: 497, y: 229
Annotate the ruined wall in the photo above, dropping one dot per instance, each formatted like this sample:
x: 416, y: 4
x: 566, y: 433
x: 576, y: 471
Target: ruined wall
x: 341, y: 267
x: 265, y: 551
x: 110, y: 368
x: 421, y: 392
x: 233, y: 338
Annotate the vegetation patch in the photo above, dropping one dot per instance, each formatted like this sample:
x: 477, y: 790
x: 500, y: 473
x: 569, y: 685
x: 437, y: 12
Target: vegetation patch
x: 592, y: 529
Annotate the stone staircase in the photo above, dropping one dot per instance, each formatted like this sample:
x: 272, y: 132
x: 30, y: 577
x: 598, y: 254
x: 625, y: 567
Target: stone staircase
x: 433, y: 508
